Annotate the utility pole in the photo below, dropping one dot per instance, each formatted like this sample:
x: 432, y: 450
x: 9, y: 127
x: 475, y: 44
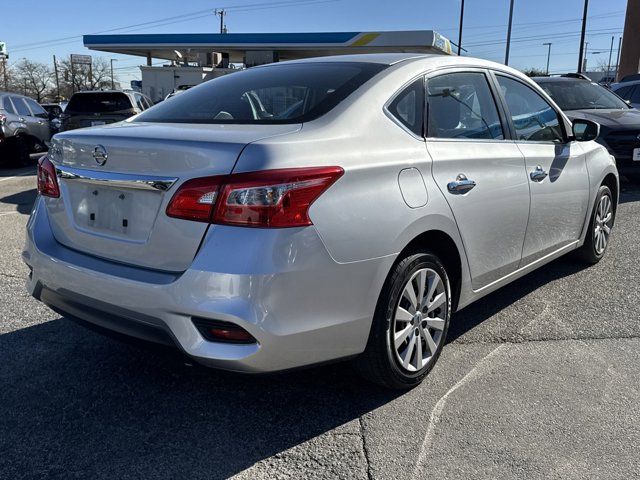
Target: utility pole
x: 55, y: 69
x: 548, y: 44
x: 221, y: 13
x: 618, y: 58
x: 610, y: 53
x: 584, y: 62
x: 113, y: 85
x: 4, y: 73
x: 581, y: 57
x: 506, y: 55
x: 460, y: 30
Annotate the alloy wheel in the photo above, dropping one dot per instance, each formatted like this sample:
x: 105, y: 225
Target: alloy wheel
x: 602, y: 224
x: 419, y: 320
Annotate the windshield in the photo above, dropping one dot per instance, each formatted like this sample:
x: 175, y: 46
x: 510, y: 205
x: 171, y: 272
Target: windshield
x: 98, y: 102
x: 582, y: 95
x: 291, y: 93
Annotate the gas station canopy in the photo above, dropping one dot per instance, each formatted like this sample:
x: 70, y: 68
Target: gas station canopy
x: 285, y: 46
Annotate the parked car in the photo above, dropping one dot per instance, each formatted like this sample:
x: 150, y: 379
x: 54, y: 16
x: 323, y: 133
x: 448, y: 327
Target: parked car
x: 619, y: 124
x: 216, y: 222
x: 24, y: 128
x: 100, y: 107
x: 629, y: 91
x: 178, y: 90
x: 54, y: 110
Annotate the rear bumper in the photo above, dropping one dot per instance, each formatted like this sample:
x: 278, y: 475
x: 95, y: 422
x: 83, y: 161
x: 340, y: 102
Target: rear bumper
x: 280, y: 285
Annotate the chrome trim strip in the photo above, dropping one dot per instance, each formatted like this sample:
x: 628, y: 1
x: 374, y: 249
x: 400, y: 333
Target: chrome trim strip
x: 117, y: 180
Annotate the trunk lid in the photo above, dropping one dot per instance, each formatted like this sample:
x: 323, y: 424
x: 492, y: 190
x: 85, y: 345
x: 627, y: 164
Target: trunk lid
x: 116, y: 182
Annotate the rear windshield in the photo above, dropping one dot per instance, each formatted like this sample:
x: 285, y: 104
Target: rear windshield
x: 98, y: 102
x: 273, y: 94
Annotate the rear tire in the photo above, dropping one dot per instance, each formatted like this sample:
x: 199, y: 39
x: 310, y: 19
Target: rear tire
x: 410, y: 324
x: 17, y: 151
x: 600, y: 226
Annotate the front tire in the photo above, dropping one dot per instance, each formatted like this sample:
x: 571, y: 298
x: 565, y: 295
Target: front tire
x: 410, y: 324
x: 602, y: 218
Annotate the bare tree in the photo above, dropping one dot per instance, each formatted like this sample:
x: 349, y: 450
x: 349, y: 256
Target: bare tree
x: 80, y: 77
x: 32, y: 79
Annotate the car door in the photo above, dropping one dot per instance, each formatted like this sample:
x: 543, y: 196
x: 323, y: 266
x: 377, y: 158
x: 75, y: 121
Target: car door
x: 39, y: 120
x: 480, y: 172
x: 556, y: 169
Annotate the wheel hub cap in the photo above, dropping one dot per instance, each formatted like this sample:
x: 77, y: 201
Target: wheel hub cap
x: 419, y: 319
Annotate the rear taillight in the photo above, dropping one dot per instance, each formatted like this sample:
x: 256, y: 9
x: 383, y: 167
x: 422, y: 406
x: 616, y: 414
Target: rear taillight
x: 47, y: 181
x: 270, y: 198
x: 195, y: 199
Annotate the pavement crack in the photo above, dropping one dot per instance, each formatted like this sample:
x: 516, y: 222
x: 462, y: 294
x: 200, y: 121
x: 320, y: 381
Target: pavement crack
x: 365, y: 449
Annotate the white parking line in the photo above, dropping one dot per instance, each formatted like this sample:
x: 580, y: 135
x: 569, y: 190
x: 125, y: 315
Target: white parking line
x: 25, y: 174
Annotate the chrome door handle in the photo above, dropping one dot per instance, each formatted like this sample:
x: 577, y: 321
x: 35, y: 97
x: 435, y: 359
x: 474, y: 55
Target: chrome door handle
x: 40, y: 122
x: 538, y: 174
x: 461, y: 185
x: 21, y: 119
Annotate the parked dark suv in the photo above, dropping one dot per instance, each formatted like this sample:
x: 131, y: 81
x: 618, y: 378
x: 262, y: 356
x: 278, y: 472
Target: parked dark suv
x: 88, y: 109
x: 619, y: 123
x: 24, y: 128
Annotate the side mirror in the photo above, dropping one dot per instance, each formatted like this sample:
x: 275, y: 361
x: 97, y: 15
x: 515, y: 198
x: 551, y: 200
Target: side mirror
x: 585, y: 130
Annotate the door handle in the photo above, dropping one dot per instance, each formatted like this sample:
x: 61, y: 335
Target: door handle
x: 40, y: 122
x: 21, y: 119
x: 538, y: 174
x: 461, y: 185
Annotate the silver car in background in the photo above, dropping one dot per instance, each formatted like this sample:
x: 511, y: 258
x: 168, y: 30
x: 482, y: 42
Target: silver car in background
x: 308, y: 211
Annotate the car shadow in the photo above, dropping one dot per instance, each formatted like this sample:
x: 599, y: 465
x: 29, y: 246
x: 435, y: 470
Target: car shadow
x: 77, y: 403
x: 22, y: 200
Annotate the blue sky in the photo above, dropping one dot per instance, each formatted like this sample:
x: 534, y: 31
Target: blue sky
x: 38, y: 29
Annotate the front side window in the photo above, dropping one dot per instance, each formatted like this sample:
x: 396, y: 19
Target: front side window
x: 532, y: 116
x: 36, y: 109
x: 408, y: 107
x: 460, y: 105
x: 288, y: 93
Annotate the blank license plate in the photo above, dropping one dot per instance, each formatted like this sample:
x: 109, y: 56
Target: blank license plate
x: 97, y: 122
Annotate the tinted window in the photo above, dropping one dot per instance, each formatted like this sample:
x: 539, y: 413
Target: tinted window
x: 581, y: 95
x: 408, y: 107
x: 533, y: 118
x: 98, y: 102
x: 460, y: 105
x: 36, y: 109
x: 634, y: 97
x: 21, y: 106
x: 271, y: 94
x: 624, y: 92
x: 8, y: 106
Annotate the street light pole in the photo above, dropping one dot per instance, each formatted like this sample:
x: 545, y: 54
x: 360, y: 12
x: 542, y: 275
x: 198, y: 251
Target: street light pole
x: 460, y: 30
x: 548, y: 44
x: 610, y: 54
x: 113, y: 85
x: 582, y: 34
x: 506, y: 55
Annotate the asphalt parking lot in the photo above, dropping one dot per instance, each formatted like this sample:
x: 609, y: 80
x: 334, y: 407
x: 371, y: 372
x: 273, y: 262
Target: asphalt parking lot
x: 540, y: 380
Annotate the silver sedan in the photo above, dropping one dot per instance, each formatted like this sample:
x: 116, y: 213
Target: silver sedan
x: 308, y: 211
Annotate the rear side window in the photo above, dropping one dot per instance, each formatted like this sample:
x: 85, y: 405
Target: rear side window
x: 289, y: 93
x: 8, y: 106
x: 533, y: 118
x: 98, y: 102
x: 634, y: 95
x: 408, y: 107
x: 460, y: 105
x: 21, y: 106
